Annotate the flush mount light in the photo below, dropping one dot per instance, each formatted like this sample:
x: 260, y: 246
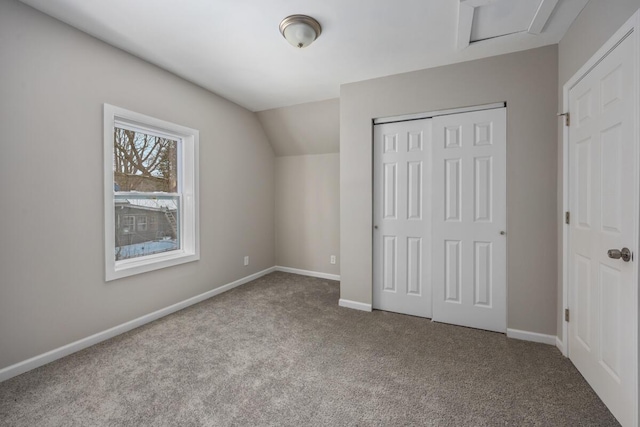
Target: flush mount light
x: 300, y: 30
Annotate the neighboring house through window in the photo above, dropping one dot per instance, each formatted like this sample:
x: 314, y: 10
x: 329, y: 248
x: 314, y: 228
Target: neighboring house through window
x: 151, y: 197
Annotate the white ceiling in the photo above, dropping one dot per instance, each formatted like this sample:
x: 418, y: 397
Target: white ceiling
x: 234, y: 48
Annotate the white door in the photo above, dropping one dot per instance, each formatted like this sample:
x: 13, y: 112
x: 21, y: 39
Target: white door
x: 402, y: 217
x: 603, y: 194
x: 469, y: 219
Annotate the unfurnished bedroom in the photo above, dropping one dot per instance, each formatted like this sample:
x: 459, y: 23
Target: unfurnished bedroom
x: 322, y: 213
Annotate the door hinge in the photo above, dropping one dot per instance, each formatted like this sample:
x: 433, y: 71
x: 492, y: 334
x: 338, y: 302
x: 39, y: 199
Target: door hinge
x: 566, y: 314
x: 567, y: 217
x: 567, y: 118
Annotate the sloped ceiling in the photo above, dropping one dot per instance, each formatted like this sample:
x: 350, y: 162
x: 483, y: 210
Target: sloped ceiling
x: 311, y: 128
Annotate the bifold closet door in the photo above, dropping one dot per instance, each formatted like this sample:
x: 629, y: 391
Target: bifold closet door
x: 402, y: 217
x: 469, y: 219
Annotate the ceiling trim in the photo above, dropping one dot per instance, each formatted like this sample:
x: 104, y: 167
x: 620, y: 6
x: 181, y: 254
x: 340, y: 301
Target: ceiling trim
x: 467, y: 10
x: 542, y: 16
x: 465, y: 21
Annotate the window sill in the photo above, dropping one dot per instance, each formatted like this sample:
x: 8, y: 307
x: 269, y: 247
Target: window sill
x: 148, y: 263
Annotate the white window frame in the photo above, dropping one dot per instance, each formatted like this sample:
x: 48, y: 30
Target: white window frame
x: 187, y: 178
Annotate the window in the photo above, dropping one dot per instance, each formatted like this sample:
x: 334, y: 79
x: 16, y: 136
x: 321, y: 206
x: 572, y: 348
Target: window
x: 128, y: 224
x: 151, y: 193
x: 141, y: 223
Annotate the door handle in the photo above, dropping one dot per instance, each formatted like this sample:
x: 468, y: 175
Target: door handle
x: 624, y: 254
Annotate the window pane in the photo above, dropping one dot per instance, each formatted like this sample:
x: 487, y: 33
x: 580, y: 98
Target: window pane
x: 143, y: 162
x: 141, y: 223
x: 146, y: 226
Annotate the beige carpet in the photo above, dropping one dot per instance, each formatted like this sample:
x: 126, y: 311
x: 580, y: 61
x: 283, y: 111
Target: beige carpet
x: 279, y: 351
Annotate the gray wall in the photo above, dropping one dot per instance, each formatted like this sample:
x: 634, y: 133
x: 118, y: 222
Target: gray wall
x: 311, y: 128
x: 308, y: 212
x: 527, y: 81
x: 306, y: 139
x: 597, y: 22
x: 53, y: 82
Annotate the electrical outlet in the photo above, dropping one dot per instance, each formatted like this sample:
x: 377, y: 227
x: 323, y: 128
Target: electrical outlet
x: 246, y: 260
x: 332, y: 260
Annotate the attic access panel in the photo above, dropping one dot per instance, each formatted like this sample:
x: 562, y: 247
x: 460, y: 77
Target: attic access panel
x: 486, y: 19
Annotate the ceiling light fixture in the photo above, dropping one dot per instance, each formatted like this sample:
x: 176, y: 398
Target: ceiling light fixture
x: 300, y: 30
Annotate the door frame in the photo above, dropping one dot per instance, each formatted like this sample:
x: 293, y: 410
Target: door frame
x: 631, y: 28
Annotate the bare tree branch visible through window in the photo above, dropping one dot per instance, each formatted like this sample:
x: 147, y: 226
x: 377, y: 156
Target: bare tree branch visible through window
x: 144, y: 162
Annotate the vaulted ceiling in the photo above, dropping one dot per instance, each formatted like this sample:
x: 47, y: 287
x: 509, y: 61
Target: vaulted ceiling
x: 234, y: 48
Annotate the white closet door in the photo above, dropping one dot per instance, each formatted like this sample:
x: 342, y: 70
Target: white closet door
x: 402, y: 218
x: 469, y: 219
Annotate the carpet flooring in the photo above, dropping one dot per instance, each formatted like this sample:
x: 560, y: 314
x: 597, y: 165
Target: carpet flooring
x: 280, y: 352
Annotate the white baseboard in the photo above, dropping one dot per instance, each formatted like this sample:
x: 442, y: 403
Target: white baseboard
x: 308, y: 273
x: 560, y: 345
x: 354, y: 305
x: 531, y: 336
x: 50, y: 356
